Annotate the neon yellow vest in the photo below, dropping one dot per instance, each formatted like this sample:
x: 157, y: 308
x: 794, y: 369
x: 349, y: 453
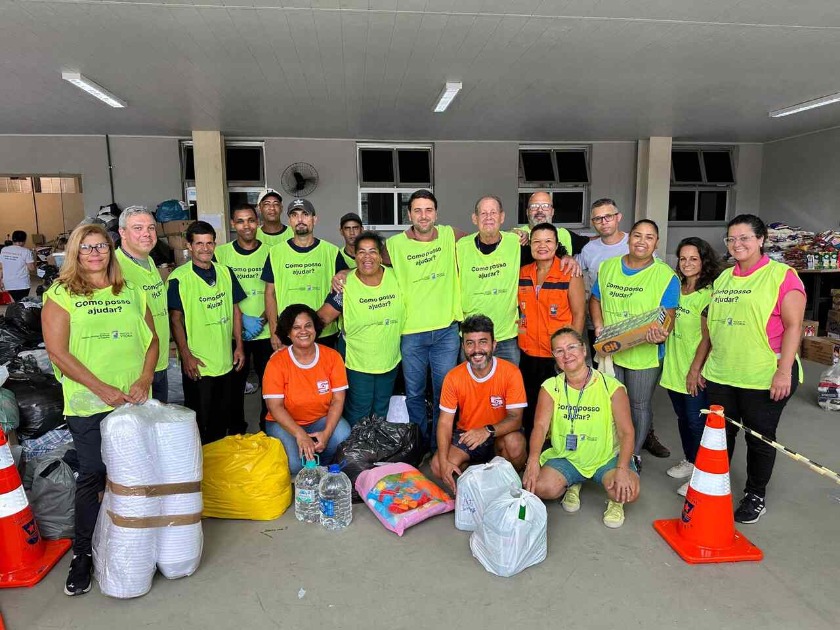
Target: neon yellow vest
x: 623, y: 296
x: 681, y: 345
x: 489, y: 283
x: 304, y: 278
x: 597, y: 441
x: 109, y: 336
x: 738, y: 314
x: 149, y: 280
x: 428, y: 277
x: 208, y: 317
x: 563, y: 237
x: 351, y: 262
x: 273, y: 239
x: 247, y: 269
x: 373, y: 321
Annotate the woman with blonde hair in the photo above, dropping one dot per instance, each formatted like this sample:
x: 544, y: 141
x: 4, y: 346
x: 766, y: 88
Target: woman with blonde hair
x: 101, y: 339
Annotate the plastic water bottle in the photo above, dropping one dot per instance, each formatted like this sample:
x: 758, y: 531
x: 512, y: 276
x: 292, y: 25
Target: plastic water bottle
x: 307, y: 482
x: 336, y: 502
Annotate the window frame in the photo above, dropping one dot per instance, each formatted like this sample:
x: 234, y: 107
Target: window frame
x: 397, y: 189
x: 704, y: 186
x: 557, y: 186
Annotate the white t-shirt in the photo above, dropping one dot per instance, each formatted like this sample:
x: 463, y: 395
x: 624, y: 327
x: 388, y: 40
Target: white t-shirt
x: 594, y: 253
x: 15, y: 274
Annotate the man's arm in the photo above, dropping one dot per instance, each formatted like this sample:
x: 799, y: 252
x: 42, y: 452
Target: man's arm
x: 577, y: 303
x: 271, y: 314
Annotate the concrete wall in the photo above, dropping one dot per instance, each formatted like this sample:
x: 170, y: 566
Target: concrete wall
x: 800, y: 181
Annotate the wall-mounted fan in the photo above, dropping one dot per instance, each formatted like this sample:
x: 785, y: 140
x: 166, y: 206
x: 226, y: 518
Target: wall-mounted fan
x: 299, y: 179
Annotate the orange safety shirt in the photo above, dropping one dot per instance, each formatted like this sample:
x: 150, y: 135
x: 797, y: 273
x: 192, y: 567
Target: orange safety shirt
x: 542, y: 309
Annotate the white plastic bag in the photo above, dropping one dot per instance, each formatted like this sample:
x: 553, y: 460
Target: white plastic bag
x: 828, y: 390
x: 479, y: 486
x: 512, y: 536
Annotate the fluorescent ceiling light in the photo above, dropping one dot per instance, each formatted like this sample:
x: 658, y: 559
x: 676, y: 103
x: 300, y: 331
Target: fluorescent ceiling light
x: 447, y: 96
x: 801, y: 107
x: 94, y: 89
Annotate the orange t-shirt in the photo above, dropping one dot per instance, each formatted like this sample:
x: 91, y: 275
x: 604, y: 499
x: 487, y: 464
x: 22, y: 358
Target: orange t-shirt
x: 306, y: 390
x: 482, y: 401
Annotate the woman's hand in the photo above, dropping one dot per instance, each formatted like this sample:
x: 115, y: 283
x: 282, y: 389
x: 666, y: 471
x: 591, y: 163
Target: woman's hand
x: 656, y: 334
x: 694, y: 382
x: 306, y: 446
x: 624, y: 485
x: 138, y: 393
x: 780, y: 385
x: 532, y: 473
x: 112, y: 396
x: 321, y: 439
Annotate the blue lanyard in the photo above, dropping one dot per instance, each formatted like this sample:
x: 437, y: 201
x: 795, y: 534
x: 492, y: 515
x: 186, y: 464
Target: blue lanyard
x: 574, y: 412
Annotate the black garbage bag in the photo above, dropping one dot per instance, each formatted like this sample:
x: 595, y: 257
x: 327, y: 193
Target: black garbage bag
x: 40, y: 404
x: 25, y: 317
x: 373, y: 440
x: 53, y: 498
x: 12, y: 341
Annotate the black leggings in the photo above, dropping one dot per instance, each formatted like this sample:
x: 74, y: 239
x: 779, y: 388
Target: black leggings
x: 87, y: 440
x: 756, y: 410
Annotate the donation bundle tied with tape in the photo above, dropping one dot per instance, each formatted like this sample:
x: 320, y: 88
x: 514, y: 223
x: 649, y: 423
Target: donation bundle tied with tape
x: 630, y: 332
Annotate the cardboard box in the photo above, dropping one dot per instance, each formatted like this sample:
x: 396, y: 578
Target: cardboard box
x: 810, y: 328
x: 832, y: 324
x: 159, y: 229
x: 178, y: 244
x: 176, y: 228
x: 821, y: 350
x: 38, y: 239
x: 630, y: 332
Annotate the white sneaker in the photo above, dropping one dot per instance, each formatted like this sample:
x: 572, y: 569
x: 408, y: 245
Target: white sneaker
x: 683, y: 489
x: 681, y: 470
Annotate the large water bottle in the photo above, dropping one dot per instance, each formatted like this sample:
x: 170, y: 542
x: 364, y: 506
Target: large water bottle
x: 307, y: 482
x: 336, y: 502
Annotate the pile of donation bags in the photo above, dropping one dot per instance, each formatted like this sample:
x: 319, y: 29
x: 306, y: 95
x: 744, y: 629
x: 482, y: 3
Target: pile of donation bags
x: 508, y: 523
x: 150, y: 516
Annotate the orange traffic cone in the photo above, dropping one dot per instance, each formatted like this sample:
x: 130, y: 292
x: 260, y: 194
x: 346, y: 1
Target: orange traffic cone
x: 706, y: 530
x: 24, y: 557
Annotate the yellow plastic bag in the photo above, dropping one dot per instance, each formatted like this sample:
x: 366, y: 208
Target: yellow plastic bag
x: 246, y: 477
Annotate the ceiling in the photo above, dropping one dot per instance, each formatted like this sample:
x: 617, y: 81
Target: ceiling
x: 532, y: 70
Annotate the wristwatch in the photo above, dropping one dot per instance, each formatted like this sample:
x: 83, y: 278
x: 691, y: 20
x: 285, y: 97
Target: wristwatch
x: 490, y: 429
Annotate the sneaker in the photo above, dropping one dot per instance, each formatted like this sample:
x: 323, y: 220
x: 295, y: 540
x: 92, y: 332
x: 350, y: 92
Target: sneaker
x: 78, y: 580
x: 681, y: 470
x: 571, y: 500
x: 614, y: 515
x: 653, y: 446
x: 750, y: 509
x: 250, y: 388
x: 683, y: 489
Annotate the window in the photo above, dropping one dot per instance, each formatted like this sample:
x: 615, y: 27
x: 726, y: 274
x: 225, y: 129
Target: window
x: 562, y: 171
x: 244, y: 167
x: 702, y: 183
x: 388, y: 175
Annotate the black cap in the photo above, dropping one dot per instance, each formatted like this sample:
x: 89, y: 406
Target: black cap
x: 350, y: 216
x: 301, y: 204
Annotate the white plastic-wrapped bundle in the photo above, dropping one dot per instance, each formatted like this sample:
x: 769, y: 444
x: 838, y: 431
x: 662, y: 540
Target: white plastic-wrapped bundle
x: 129, y: 452
x: 480, y: 485
x: 151, y: 511
x: 179, y: 462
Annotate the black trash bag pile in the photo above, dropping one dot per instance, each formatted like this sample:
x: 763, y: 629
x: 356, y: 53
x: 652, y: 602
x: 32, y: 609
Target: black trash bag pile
x: 373, y: 440
x: 40, y: 404
x: 25, y: 317
x: 50, y: 274
x: 12, y: 341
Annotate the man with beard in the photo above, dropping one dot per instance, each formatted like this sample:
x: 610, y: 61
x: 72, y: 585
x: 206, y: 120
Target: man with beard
x: 300, y: 271
x: 137, y: 239
x: 487, y: 395
x: 246, y: 257
x: 272, y: 230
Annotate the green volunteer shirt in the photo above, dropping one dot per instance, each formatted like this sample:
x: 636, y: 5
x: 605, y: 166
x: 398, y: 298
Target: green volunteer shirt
x: 682, y: 343
x: 247, y: 267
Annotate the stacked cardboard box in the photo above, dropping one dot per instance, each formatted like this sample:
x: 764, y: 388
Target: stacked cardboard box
x: 832, y: 324
x: 821, y: 350
x: 174, y: 234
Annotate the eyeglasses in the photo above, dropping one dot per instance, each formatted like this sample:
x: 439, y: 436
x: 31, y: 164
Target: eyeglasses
x: 540, y: 206
x: 605, y: 218
x: 561, y: 352
x: 743, y: 240
x: 85, y: 249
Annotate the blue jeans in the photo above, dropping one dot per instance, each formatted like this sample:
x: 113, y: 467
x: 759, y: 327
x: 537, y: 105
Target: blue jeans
x: 689, y: 420
x: 435, y: 349
x: 507, y: 350
x: 342, y: 431
x: 368, y: 394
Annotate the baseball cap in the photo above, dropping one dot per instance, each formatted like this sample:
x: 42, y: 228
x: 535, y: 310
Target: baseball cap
x: 301, y: 204
x: 350, y: 216
x: 267, y: 193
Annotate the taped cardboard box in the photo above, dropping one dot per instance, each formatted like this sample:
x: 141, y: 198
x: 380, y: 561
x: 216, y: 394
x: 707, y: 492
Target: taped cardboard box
x: 630, y: 332
x: 176, y: 228
x: 821, y: 350
x: 832, y: 324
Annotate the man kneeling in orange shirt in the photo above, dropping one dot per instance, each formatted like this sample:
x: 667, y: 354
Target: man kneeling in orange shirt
x: 487, y: 395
